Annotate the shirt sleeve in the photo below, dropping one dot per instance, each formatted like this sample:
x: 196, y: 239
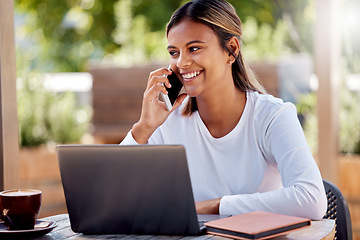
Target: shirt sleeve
x: 156, y: 138
x: 303, y: 193
x: 129, y: 140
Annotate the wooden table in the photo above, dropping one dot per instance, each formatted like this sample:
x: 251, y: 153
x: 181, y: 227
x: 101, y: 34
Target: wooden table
x: 324, y: 229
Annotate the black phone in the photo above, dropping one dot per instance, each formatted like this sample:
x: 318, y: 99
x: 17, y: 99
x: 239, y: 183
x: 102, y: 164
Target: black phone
x: 175, y: 89
x: 173, y: 92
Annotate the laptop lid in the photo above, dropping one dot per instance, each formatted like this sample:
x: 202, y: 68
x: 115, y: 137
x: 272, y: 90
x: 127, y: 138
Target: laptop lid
x: 112, y: 189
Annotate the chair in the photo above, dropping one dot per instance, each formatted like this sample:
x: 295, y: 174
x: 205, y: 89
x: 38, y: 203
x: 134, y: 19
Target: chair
x: 339, y: 211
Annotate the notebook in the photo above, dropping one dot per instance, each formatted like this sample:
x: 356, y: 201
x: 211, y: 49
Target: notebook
x: 112, y: 189
x: 256, y: 225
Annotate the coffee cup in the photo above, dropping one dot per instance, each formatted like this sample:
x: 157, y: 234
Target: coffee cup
x: 20, y: 208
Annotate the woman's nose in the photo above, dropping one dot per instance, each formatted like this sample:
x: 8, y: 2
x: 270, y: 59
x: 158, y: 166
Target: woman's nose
x: 183, y: 61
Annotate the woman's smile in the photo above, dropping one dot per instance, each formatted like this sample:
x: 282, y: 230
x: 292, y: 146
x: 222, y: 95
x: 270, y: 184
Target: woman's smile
x: 190, y: 76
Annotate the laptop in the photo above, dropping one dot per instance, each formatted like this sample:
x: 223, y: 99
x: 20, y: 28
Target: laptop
x: 144, y: 189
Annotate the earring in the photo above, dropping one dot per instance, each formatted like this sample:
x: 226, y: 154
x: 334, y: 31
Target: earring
x: 230, y: 61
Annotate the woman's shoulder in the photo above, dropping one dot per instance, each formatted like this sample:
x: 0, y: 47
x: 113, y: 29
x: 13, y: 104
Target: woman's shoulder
x: 267, y: 102
x: 265, y: 107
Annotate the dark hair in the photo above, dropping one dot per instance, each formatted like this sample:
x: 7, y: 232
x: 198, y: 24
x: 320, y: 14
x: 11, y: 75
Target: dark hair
x: 221, y: 17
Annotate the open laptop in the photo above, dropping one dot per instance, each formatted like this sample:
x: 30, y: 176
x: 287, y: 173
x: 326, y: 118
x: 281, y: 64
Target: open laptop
x: 112, y: 189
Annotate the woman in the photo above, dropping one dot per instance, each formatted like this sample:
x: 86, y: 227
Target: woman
x: 246, y: 150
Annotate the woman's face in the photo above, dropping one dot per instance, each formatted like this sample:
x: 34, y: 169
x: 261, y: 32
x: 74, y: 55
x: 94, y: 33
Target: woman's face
x: 197, y: 58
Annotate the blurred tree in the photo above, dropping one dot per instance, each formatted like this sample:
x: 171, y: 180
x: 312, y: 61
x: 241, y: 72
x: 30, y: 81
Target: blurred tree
x: 66, y: 35
x: 63, y: 35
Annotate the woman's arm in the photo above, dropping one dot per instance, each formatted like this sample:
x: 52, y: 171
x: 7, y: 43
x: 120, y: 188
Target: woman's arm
x: 284, y: 145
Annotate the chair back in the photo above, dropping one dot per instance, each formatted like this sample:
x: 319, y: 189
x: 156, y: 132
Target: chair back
x: 339, y: 211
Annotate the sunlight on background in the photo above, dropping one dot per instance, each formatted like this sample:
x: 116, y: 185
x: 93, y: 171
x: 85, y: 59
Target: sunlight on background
x: 351, y: 23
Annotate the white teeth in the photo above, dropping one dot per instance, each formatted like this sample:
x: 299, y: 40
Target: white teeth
x: 191, y: 75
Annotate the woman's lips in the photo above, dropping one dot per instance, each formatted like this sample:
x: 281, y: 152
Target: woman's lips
x: 190, y: 75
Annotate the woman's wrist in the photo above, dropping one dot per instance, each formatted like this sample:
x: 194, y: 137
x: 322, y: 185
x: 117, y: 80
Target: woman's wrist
x: 141, y: 133
x: 208, y: 206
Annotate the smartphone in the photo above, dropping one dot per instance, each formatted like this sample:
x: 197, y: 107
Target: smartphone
x: 173, y: 92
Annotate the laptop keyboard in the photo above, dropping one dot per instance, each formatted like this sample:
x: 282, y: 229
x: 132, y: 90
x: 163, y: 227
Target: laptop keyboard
x: 202, y: 224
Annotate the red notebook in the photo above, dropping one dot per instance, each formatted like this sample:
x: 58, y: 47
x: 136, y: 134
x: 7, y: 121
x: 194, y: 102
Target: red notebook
x: 256, y: 225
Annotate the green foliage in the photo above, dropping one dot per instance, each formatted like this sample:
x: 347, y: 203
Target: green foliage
x: 32, y: 128
x: 47, y: 116
x: 61, y: 36
x: 139, y: 44
x: 306, y: 108
x: 349, y: 135
x: 349, y: 121
x: 67, y: 36
x: 257, y: 38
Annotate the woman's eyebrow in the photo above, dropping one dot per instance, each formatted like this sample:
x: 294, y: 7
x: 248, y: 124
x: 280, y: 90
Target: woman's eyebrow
x: 187, y: 44
x: 195, y: 41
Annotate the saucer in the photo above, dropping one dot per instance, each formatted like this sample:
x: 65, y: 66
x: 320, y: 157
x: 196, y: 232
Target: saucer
x: 41, y: 227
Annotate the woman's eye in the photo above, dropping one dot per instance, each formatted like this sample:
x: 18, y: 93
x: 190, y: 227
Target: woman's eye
x: 193, y: 49
x: 172, y: 53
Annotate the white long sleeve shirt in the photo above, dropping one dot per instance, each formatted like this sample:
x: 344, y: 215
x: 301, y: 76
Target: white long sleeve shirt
x: 263, y: 164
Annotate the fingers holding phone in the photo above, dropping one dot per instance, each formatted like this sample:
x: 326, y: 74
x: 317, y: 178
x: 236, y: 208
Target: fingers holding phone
x: 165, y: 85
x: 154, y: 112
x: 158, y: 77
x: 157, y: 83
x: 172, y: 92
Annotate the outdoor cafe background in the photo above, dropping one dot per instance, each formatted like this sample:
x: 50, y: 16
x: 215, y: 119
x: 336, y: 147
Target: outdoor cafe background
x: 82, y: 66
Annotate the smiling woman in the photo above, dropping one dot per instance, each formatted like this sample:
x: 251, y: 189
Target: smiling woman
x: 246, y: 150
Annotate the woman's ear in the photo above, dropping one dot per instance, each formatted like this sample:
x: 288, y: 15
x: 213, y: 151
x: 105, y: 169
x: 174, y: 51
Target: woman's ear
x: 234, y: 46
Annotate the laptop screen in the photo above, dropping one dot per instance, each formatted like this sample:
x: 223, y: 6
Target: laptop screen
x: 142, y: 189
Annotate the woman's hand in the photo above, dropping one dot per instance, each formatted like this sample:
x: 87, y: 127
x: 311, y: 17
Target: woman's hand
x: 208, y: 206
x: 154, y: 112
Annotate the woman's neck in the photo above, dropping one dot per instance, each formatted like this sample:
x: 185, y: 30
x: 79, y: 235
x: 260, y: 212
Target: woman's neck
x: 222, y: 112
